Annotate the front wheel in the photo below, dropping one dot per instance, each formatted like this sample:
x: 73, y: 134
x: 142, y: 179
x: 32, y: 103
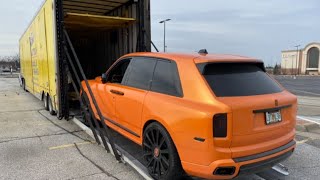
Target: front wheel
x: 160, y: 154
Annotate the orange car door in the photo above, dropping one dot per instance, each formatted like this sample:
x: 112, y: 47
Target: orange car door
x: 107, y: 95
x: 108, y: 100
x: 131, y: 95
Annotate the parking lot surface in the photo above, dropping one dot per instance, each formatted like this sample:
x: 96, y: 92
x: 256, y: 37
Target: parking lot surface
x: 301, y: 85
x: 35, y: 145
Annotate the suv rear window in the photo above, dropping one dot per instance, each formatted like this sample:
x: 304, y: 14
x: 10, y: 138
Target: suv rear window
x: 238, y: 79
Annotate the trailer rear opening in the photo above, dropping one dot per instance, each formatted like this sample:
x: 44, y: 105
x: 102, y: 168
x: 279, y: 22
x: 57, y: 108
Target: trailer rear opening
x: 98, y: 40
x: 101, y: 32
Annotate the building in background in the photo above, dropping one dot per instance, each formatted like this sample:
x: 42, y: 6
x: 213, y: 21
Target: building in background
x: 304, y: 61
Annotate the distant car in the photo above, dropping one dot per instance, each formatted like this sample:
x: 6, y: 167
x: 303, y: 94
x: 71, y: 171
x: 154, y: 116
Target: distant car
x: 210, y: 116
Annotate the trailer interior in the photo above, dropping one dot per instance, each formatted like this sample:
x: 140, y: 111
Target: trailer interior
x: 101, y: 31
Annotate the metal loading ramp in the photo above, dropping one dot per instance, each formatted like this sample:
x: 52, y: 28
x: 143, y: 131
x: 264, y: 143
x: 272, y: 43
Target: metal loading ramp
x: 76, y: 21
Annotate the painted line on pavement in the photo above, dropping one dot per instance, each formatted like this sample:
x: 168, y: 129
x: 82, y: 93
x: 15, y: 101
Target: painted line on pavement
x: 307, y: 119
x: 70, y: 145
x: 307, y: 92
x: 302, y: 141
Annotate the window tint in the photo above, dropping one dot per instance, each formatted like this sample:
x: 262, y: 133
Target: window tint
x: 116, y: 75
x: 166, y: 78
x: 239, y: 79
x: 140, y: 73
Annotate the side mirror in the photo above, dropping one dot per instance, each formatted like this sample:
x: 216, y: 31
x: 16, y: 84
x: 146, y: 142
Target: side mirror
x: 104, y: 78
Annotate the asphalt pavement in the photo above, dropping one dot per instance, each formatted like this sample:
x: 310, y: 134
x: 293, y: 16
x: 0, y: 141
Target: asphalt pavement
x: 301, y: 85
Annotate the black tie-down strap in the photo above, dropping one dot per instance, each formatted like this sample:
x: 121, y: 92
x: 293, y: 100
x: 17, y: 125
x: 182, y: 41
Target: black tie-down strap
x: 104, y: 131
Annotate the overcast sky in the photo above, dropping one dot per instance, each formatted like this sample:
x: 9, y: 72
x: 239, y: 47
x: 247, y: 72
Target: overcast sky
x: 260, y: 29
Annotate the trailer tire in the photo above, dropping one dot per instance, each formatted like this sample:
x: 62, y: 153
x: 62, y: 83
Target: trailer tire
x: 160, y: 154
x: 24, y: 85
x: 50, y: 106
x: 45, y: 101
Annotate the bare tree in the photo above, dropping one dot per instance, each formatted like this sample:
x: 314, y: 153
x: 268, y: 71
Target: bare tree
x: 7, y: 62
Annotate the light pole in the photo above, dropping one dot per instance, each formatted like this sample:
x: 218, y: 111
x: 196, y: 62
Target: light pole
x: 164, y: 33
x: 292, y: 65
x: 297, y: 65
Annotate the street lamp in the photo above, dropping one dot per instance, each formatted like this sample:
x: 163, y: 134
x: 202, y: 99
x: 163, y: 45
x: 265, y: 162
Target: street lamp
x: 292, y: 64
x: 297, y: 65
x: 164, y: 33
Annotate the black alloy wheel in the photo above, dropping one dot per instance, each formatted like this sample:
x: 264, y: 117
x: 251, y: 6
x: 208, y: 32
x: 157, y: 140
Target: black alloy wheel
x: 160, y: 154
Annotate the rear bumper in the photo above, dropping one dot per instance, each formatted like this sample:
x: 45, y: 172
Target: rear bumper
x: 243, y: 165
x: 258, y: 166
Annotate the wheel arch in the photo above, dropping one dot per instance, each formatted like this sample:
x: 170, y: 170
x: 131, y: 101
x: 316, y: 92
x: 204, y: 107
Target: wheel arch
x: 163, y: 124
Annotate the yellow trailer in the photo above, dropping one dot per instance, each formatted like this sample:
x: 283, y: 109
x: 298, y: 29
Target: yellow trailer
x: 101, y: 31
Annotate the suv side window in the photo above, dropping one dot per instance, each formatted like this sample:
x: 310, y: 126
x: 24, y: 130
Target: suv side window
x: 117, y: 73
x: 166, y: 78
x: 140, y: 72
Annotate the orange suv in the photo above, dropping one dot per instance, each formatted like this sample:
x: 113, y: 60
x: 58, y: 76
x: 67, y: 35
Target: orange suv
x: 210, y: 116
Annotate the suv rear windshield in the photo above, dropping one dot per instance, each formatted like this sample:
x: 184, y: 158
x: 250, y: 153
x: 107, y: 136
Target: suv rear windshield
x: 238, y: 79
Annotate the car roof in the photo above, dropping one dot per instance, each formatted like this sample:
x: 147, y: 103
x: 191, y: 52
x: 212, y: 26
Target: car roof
x: 197, y: 58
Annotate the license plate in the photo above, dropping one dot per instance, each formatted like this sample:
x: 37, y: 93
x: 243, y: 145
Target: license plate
x: 273, y: 117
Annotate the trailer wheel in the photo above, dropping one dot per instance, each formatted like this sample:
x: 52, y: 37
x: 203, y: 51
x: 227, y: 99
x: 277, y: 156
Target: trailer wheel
x: 24, y: 85
x: 50, y: 107
x: 160, y: 154
x: 45, y: 100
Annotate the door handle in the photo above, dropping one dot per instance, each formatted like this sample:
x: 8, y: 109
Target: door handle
x: 117, y: 92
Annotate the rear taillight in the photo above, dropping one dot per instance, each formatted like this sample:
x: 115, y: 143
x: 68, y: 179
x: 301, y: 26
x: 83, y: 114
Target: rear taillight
x: 220, y: 125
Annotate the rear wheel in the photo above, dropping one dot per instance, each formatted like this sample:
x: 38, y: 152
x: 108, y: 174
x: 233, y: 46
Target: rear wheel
x: 160, y: 154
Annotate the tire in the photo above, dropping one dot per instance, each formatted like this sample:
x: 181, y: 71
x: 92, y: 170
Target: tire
x: 160, y: 154
x: 20, y: 80
x: 24, y: 85
x: 45, y: 102
x: 50, y: 107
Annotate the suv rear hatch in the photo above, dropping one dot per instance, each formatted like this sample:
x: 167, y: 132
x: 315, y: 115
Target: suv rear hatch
x: 263, y: 113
